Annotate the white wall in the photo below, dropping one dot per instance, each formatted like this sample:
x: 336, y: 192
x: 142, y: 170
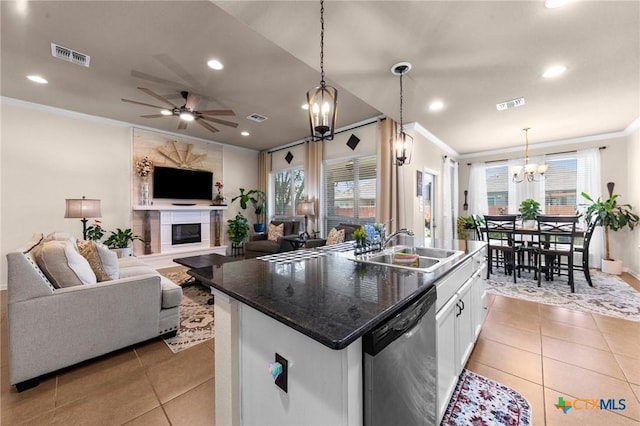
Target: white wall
x: 632, y: 196
x: 48, y: 155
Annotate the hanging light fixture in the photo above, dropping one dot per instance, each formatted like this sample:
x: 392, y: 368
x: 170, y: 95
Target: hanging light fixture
x: 530, y: 172
x: 401, y: 142
x: 322, y: 100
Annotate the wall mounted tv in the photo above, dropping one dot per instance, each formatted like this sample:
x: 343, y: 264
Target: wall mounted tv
x: 182, y: 184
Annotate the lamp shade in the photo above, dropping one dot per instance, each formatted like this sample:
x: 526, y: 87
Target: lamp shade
x: 82, y: 208
x: 307, y: 208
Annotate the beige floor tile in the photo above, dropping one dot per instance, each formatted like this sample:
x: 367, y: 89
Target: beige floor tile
x: 568, y: 316
x: 195, y: 407
x: 130, y: 398
x: 630, y: 368
x: 636, y: 390
x: 516, y: 337
x: 624, y: 344
x: 613, y: 325
x: 153, y: 352
x: 582, y: 356
x: 516, y: 319
x: 566, y: 379
x: 510, y: 304
x: 17, y: 408
x: 170, y: 378
x: 573, y: 417
x: 155, y: 417
x: 517, y: 362
x: 574, y: 334
x: 531, y: 391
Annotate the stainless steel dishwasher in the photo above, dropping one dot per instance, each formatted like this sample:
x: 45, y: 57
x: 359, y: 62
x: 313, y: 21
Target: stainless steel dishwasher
x: 400, y: 377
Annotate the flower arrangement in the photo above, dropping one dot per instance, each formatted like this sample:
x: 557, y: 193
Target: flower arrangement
x: 144, y: 167
x: 218, y: 198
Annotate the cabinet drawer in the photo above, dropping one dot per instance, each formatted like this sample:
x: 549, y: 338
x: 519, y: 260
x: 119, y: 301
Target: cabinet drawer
x: 448, y: 286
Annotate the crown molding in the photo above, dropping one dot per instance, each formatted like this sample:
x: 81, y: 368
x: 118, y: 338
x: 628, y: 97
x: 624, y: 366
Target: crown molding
x: 418, y: 128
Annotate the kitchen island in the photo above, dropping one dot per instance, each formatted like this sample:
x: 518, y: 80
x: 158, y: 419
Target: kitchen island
x: 313, y: 311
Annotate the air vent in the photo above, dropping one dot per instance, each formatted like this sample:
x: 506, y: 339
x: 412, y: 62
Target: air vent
x: 69, y: 55
x: 256, y: 117
x: 510, y: 104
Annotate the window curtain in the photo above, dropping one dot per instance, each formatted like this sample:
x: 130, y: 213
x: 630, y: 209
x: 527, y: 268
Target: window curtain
x: 523, y: 190
x: 477, y: 197
x: 389, y: 209
x: 588, y: 180
x: 450, y: 199
x: 264, y: 169
x: 313, y: 152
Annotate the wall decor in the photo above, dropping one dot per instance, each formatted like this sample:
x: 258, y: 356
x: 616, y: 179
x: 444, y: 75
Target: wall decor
x: 353, y: 142
x: 419, y: 183
x: 289, y: 157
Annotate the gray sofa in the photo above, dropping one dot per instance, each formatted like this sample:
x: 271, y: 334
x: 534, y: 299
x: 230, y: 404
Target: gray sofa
x: 52, y: 327
x: 260, y: 245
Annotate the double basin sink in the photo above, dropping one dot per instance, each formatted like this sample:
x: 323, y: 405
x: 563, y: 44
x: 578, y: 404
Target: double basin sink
x: 428, y: 258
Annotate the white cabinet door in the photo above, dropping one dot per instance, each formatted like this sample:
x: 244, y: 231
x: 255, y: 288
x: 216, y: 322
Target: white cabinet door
x: 479, y: 296
x: 465, y: 336
x: 447, y: 363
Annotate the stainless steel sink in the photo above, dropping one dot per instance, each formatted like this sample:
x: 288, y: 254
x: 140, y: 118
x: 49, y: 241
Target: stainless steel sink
x: 429, y: 259
x: 427, y: 251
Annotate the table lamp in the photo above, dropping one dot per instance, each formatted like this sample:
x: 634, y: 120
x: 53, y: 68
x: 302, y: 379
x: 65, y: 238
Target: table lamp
x: 82, y: 208
x: 306, y: 208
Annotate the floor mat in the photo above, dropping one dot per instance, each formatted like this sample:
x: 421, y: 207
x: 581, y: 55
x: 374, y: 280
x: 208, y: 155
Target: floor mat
x: 196, y: 319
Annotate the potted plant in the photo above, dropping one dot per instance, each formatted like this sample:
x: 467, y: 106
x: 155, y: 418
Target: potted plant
x: 529, y: 209
x: 614, y: 217
x: 257, y: 199
x: 95, y: 232
x: 120, y: 241
x: 218, y: 200
x: 465, y: 224
x: 238, y: 229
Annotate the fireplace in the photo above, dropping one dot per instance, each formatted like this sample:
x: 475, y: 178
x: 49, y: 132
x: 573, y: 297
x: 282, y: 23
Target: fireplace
x: 186, y: 233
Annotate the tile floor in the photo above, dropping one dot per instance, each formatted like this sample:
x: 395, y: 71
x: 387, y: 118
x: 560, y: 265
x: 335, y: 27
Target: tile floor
x: 541, y: 351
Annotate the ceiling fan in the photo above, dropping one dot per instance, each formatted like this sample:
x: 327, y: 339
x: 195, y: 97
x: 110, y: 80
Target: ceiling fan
x: 186, y: 112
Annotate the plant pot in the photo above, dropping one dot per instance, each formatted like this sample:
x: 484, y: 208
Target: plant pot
x: 613, y: 267
x: 529, y: 223
x: 258, y: 227
x: 123, y: 252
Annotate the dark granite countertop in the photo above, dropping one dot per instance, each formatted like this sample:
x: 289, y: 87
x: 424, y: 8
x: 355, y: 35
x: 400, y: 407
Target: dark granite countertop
x: 329, y: 298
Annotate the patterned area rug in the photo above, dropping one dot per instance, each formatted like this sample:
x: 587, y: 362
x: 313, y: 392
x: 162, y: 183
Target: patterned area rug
x: 609, y: 295
x: 481, y: 401
x: 196, y: 316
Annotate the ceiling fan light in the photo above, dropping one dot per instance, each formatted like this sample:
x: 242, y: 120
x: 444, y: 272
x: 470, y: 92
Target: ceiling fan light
x: 166, y: 112
x: 186, y: 116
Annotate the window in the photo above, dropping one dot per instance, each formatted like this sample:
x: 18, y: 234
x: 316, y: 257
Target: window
x: 497, y: 189
x: 560, y: 185
x: 288, y: 192
x: 350, y: 191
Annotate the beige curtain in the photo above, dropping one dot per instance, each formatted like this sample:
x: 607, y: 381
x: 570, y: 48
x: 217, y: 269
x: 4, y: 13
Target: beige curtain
x: 264, y: 169
x: 313, y: 152
x: 390, y: 209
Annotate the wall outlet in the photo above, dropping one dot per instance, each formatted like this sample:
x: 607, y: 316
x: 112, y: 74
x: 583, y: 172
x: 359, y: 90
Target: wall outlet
x: 281, y: 380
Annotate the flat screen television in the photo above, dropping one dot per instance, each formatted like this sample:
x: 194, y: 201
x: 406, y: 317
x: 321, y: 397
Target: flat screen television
x: 182, y: 184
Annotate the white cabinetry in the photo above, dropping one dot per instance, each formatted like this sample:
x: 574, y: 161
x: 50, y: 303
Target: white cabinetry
x: 459, y: 321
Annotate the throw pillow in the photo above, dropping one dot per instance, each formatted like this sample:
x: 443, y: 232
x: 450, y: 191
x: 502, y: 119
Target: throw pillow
x: 335, y: 236
x: 63, y: 265
x: 103, y: 262
x: 61, y: 236
x: 275, y: 232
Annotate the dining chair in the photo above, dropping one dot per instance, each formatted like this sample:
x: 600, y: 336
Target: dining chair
x: 584, y: 248
x: 555, y: 247
x: 499, y: 231
x: 477, y: 221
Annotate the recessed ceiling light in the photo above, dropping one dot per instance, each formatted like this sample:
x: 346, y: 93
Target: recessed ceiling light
x: 554, y: 71
x: 215, y: 64
x: 166, y: 112
x: 436, y: 106
x: 305, y: 106
x: 37, y: 79
x: 245, y: 133
x: 552, y: 4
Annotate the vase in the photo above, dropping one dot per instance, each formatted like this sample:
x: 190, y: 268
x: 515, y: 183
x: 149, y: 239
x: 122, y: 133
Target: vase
x: 144, y: 191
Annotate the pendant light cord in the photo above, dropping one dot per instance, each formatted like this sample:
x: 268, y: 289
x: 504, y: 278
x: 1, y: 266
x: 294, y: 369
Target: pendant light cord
x: 322, y: 82
x: 401, y: 101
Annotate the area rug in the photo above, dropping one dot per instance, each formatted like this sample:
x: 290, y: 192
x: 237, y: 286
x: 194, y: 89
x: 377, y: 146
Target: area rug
x: 609, y: 295
x: 480, y: 401
x: 196, y: 316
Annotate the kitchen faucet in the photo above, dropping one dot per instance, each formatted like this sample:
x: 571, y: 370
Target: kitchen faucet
x: 387, y: 240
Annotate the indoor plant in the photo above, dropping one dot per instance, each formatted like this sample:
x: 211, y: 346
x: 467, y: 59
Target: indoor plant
x: 257, y: 199
x: 120, y: 241
x: 219, y: 198
x: 95, y: 232
x: 464, y: 225
x: 529, y: 209
x: 611, y: 216
x: 238, y: 229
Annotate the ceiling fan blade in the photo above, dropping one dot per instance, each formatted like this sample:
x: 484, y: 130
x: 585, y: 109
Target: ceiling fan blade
x: 217, y: 112
x: 207, y: 126
x: 158, y: 97
x: 154, y: 116
x: 182, y: 125
x: 192, y: 101
x: 142, y: 103
x: 217, y: 120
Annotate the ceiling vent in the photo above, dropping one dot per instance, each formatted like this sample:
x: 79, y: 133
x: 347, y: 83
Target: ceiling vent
x: 510, y: 104
x: 256, y: 117
x: 69, y: 55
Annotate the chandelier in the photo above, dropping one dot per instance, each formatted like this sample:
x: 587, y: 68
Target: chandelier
x: 402, y: 143
x: 530, y: 172
x: 323, y: 99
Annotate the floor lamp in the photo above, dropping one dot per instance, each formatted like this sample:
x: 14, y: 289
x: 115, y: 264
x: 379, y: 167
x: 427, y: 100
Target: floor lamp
x: 307, y: 209
x: 82, y: 209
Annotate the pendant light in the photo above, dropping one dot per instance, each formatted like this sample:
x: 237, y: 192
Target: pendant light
x: 402, y: 143
x: 322, y: 100
x: 530, y: 172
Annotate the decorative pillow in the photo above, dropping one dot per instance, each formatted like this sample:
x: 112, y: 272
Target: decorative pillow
x: 335, y: 236
x: 275, y: 232
x: 63, y: 265
x: 103, y: 262
x: 61, y: 236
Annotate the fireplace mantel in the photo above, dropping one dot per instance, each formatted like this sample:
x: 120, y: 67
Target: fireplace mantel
x: 171, y: 207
